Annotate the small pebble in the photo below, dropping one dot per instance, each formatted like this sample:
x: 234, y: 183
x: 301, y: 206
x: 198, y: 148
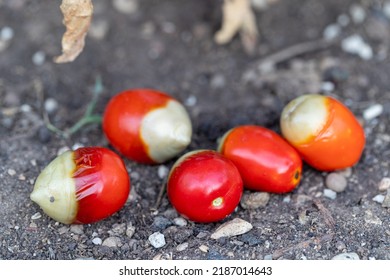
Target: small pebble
x: 98, y: 29
x: 39, y: 58
x: 254, y: 200
x: 384, y: 184
x: 346, y: 256
x: 77, y: 146
x: 157, y: 240
x: 343, y: 20
x: 347, y: 172
x: 112, y: 242
x: 182, y: 247
x: 268, y: 257
x: 332, y: 31
x: 77, y: 229
x: 336, y: 182
x: 50, y: 105
x: 162, y: 171
x: 218, y: 81
x: 6, y: 33
x: 97, y: 241
x: 130, y: 230
x: 190, y: 101
x: 127, y: 7
x: 118, y: 229
x: 386, y: 201
x: 355, y: 44
x: 233, y: 227
x: 327, y: 86
x: 386, y: 9
x: 36, y: 216
x: 379, y: 198
x: 204, y: 248
x: 358, y: 13
x: 373, y: 112
x: 179, y: 221
x: 21, y: 177
x: 287, y: 199
x: 11, y: 172
x: 330, y: 194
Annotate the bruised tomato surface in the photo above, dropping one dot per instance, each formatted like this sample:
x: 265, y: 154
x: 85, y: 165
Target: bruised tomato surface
x: 265, y: 160
x: 324, y: 131
x: 82, y: 186
x: 146, y: 125
x: 204, y: 186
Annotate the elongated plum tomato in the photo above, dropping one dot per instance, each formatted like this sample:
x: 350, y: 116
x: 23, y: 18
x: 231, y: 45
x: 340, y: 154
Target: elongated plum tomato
x: 265, y: 160
x: 146, y: 125
x: 82, y: 186
x: 324, y: 131
x: 204, y: 186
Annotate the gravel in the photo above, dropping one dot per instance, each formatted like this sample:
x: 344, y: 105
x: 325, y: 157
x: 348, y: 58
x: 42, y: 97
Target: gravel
x: 157, y: 240
x: 336, y: 182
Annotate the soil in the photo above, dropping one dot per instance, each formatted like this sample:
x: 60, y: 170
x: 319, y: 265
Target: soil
x: 168, y: 45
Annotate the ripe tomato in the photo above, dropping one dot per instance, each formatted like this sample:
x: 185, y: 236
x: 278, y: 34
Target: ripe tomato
x: 324, y: 131
x: 146, y: 125
x: 265, y: 160
x: 82, y: 186
x: 204, y: 186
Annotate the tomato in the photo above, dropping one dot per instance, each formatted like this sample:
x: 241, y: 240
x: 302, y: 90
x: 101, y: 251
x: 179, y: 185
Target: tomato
x: 146, y: 125
x: 324, y: 131
x: 204, y: 186
x: 82, y: 186
x: 265, y: 160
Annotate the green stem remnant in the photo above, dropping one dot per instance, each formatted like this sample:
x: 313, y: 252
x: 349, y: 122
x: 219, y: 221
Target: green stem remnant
x: 88, y: 118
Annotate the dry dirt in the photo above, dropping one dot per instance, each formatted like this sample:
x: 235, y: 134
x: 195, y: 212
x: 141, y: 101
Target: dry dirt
x: 168, y: 45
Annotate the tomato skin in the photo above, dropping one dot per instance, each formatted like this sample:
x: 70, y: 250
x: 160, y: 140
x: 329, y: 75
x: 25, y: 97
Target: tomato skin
x: 146, y: 140
x: 204, y: 186
x: 102, y: 184
x: 265, y: 160
x: 335, y: 141
x: 82, y: 186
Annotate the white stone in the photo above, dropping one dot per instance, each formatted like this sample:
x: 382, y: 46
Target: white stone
x: 233, y: 227
x: 36, y: 216
x: 336, y: 182
x: 379, y: 198
x: 39, y: 58
x: 386, y: 9
x: 179, y: 221
x: 254, y: 200
x: 157, y: 240
x: 355, y: 44
x: 126, y: 6
x: 50, y: 105
x: 384, y: 184
x: 112, y: 242
x: 182, y: 247
x: 97, y: 241
x: 373, y: 112
x: 162, y: 171
x: 330, y: 194
x: 191, y: 101
x: 346, y: 256
x: 358, y: 13
x: 332, y: 31
x: 6, y: 33
x: 343, y: 20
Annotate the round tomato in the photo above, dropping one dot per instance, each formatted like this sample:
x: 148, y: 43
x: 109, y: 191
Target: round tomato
x: 324, y: 131
x: 265, y: 160
x: 82, y: 186
x: 204, y: 186
x: 146, y: 125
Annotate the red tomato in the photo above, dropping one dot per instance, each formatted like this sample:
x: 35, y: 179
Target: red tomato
x: 204, y: 186
x: 324, y: 131
x: 82, y: 186
x: 265, y: 160
x: 146, y: 125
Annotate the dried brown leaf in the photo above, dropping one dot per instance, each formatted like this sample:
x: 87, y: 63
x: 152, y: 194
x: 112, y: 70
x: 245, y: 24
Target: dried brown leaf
x: 77, y: 19
x: 238, y: 16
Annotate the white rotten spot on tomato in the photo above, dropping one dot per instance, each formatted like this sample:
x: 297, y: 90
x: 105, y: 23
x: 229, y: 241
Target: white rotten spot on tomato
x: 82, y: 186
